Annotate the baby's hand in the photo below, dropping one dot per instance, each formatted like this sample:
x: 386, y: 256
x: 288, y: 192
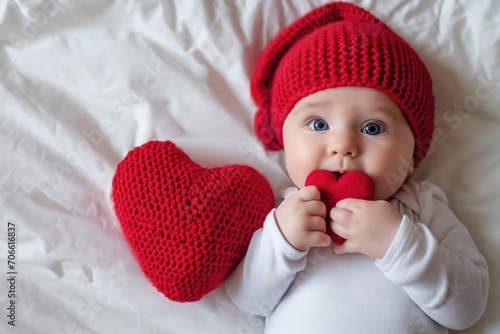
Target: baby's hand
x: 369, y: 227
x: 301, y: 219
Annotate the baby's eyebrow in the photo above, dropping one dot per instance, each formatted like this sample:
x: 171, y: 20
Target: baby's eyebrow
x: 307, y: 106
x: 391, y: 113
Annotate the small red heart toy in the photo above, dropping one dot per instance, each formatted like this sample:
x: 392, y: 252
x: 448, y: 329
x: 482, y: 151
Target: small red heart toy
x: 188, y: 226
x: 353, y: 184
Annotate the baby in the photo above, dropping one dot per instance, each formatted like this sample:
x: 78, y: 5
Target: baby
x: 339, y: 90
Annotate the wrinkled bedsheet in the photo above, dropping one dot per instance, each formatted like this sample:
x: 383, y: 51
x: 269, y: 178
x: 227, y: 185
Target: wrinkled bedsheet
x: 83, y: 82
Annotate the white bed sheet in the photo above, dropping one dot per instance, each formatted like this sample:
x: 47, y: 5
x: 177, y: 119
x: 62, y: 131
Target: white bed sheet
x: 83, y: 82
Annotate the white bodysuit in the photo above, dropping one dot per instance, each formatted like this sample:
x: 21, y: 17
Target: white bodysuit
x: 431, y: 278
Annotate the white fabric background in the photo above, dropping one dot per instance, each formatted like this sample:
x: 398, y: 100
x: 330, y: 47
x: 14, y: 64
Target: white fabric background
x: 83, y: 82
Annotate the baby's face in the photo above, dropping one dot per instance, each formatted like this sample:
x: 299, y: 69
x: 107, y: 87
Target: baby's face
x: 349, y: 128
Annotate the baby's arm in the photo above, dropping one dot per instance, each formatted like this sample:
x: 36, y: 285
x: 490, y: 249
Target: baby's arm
x: 277, y: 252
x: 259, y: 281
x: 438, y: 265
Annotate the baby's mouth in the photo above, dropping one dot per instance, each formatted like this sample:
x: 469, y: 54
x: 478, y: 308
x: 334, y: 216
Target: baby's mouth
x: 338, y: 175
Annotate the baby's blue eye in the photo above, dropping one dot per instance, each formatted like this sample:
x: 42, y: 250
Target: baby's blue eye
x: 372, y: 129
x: 319, y: 125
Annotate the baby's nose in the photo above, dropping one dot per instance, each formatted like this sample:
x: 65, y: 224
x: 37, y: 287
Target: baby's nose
x: 343, y: 143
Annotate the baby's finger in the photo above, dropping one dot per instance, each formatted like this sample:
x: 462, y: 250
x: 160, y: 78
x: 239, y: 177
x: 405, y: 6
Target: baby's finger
x: 310, y: 193
x: 348, y: 246
x: 317, y: 223
x: 316, y: 209
x: 339, y: 229
x: 340, y: 215
x: 340, y: 249
x: 349, y: 203
x: 319, y: 239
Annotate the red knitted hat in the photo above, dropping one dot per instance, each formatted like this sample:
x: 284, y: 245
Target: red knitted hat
x: 340, y: 44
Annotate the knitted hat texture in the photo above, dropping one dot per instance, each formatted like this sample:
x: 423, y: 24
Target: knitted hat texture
x: 340, y: 44
x: 188, y: 226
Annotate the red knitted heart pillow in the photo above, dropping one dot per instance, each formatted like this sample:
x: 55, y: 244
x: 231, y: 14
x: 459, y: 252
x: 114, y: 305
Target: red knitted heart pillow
x: 188, y: 226
x: 353, y: 184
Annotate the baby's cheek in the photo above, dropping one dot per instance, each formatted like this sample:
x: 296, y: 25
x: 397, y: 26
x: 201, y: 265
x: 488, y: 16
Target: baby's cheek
x: 295, y: 172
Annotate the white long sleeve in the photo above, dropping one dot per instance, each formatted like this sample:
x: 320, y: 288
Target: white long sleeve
x: 437, y: 263
x: 431, y: 278
x: 276, y: 262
